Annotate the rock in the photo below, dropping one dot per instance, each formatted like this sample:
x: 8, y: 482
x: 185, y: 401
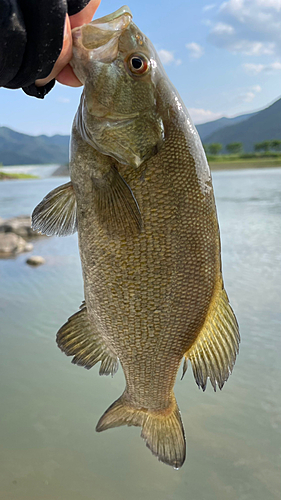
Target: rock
x: 28, y: 247
x: 12, y: 244
x: 35, y: 260
x: 19, y: 225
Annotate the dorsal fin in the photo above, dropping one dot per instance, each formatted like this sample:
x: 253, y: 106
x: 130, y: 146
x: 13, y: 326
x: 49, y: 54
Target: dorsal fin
x: 214, y: 352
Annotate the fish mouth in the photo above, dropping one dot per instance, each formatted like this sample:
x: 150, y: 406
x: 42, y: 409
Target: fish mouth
x: 100, y: 37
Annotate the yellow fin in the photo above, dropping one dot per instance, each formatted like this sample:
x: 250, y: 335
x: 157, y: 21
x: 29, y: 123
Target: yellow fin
x: 214, y: 352
x: 162, y: 430
x: 56, y: 214
x: 77, y: 338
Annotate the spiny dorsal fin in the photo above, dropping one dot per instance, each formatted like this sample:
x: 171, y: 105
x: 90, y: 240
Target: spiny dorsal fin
x: 214, y: 352
x: 56, y: 214
x: 162, y: 430
x: 115, y: 205
x: 77, y: 338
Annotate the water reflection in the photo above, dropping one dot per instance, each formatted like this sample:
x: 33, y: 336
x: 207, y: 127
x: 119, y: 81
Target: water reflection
x: 49, y: 407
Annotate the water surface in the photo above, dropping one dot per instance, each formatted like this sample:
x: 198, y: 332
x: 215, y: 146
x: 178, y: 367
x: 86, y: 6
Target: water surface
x: 49, y: 407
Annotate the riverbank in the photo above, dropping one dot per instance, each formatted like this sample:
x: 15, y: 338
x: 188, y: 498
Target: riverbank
x: 219, y: 163
x: 6, y: 177
x: 245, y: 163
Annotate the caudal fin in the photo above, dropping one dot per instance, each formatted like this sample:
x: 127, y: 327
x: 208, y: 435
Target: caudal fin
x: 162, y: 430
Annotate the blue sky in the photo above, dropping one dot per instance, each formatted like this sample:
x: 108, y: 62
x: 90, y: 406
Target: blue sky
x: 223, y: 57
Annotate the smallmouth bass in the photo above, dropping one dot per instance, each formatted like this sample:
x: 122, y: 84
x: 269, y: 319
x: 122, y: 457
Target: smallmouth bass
x: 141, y: 198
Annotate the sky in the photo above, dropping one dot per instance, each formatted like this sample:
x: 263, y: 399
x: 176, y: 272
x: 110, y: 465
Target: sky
x: 223, y: 57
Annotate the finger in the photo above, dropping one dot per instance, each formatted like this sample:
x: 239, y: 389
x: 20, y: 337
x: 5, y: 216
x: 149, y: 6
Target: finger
x: 64, y: 58
x: 67, y: 77
x: 86, y: 15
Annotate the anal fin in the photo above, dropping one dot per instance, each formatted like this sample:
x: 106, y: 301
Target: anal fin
x: 77, y: 338
x: 56, y: 214
x: 162, y: 430
x: 214, y: 352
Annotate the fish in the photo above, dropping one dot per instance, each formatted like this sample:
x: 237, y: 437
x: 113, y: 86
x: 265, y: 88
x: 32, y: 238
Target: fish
x: 142, y: 201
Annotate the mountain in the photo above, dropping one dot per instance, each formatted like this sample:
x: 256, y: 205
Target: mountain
x: 23, y: 149
x: 206, y: 129
x: 264, y: 125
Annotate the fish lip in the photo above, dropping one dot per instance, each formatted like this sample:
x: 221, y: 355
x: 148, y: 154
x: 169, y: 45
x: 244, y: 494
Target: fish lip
x: 111, y: 23
x: 99, y: 38
x: 114, y: 15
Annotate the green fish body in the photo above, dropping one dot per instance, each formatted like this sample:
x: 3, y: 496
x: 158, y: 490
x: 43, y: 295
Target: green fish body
x: 141, y: 198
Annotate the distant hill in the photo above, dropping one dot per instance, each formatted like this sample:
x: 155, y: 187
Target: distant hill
x: 264, y: 125
x: 205, y: 129
x: 23, y: 149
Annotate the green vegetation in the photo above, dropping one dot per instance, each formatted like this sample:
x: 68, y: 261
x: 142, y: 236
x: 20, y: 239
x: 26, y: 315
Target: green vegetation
x: 267, y: 153
x: 268, y: 145
x: 234, y: 148
x: 237, y: 147
x: 237, y: 159
x: 4, y: 176
x: 213, y: 149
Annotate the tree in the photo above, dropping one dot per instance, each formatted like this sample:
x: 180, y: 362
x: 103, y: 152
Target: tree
x: 215, y: 148
x: 266, y: 145
x: 258, y: 146
x: 206, y: 148
x: 276, y: 144
x: 234, y: 148
x: 263, y: 146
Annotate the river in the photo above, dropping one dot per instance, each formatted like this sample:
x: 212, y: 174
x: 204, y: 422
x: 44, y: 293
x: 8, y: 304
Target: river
x: 49, y: 407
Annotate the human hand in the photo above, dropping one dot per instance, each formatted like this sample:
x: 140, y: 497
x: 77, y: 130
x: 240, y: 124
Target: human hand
x: 62, y: 71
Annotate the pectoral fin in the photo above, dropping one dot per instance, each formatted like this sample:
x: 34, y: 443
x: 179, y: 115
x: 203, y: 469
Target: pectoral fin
x: 77, y: 338
x: 115, y: 205
x: 214, y: 352
x: 56, y: 214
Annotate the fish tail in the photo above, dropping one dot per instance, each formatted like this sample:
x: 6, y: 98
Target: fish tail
x: 162, y: 430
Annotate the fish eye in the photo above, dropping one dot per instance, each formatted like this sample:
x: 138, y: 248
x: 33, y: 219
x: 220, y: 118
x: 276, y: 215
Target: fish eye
x: 138, y: 64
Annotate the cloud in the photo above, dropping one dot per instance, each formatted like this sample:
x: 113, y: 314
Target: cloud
x: 223, y: 29
x: 167, y: 57
x: 63, y: 100
x: 203, y: 115
x: 209, y: 7
x: 249, y: 27
x: 252, y: 48
x: 249, y: 94
x: 256, y: 88
x: 195, y: 50
x: 255, y: 69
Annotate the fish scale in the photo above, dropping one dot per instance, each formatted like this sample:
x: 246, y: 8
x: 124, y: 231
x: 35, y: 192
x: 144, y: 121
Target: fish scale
x: 159, y: 281
x: 141, y: 198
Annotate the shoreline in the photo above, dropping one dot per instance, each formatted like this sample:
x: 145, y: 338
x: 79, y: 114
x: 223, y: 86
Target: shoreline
x: 4, y: 176
x: 244, y: 164
x: 220, y: 165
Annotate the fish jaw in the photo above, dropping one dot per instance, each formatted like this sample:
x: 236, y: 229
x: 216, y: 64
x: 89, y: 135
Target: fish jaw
x: 98, y: 40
